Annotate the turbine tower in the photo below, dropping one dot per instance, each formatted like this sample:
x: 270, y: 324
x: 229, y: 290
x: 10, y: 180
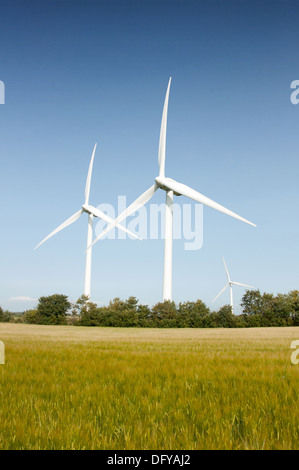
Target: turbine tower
x: 92, y: 212
x: 230, y: 284
x: 171, y: 188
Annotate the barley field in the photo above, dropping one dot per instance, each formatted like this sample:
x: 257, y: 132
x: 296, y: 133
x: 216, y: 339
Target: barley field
x: 65, y: 387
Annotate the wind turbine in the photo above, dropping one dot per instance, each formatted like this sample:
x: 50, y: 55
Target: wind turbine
x: 171, y: 188
x: 92, y: 212
x: 230, y: 284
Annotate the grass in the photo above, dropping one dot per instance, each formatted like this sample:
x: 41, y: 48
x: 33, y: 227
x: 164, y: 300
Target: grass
x: 125, y: 388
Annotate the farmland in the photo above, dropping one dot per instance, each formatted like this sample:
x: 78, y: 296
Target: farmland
x: 65, y: 387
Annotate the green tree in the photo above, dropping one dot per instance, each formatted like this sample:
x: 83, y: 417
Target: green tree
x: 267, y: 309
x: 240, y: 321
x: 120, y: 313
x: 210, y: 321
x: 5, y: 316
x: 282, y: 310
x: 192, y: 314
x: 85, y: 313
x: 293, y: 300
x: 225, y: 318
x: 164, y: 314
x: 132, y: 303
x: 144, y: 316
x: 52, y: 310
x: 251, y: 302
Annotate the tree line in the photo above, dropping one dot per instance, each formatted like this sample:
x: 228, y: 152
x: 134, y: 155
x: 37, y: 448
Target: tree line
x: 258, y: 310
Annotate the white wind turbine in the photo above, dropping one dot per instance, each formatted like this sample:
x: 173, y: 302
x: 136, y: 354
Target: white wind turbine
x: 230, y: 284
x: 92, y: 212
x: 171, y: 188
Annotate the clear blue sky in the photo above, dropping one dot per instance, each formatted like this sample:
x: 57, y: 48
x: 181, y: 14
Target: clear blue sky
x: 80, y: 72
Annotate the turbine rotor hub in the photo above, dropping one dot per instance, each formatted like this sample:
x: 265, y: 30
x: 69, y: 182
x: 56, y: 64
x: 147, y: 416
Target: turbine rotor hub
x: 162, y: 183
x: 85, y: 207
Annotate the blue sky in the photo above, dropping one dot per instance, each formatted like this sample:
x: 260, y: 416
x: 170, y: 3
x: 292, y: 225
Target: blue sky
x: 80, y: 72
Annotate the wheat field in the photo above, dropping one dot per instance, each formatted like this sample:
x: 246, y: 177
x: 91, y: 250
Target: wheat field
x: 65, y: 387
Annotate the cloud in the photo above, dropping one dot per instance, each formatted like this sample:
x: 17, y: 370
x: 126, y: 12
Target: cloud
x: 23, y: 298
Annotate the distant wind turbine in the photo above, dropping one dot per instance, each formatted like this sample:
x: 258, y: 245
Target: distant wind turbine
x: 230, y: 284
x: 171, y: 188
x: 92, y: 212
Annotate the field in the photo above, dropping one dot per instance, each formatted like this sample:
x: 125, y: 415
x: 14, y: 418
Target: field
x: 117, y: 388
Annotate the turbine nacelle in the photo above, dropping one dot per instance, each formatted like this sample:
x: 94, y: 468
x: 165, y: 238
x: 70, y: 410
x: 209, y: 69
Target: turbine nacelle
x: 86, y: 208
x: 89, y: 209
x: 164, y: 183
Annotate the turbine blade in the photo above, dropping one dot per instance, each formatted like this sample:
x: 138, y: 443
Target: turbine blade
x: 243, y: 285
x: 135, y: 206
x: 226, y: 270
x: 221, y: 292
x: 88, y: 179
x: 101, y: 215
x: 162, y: 141
x: 196, y: 196
x: 69, y: 221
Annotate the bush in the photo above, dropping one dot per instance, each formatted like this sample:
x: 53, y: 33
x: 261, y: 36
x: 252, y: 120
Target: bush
x: 31, y: 316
